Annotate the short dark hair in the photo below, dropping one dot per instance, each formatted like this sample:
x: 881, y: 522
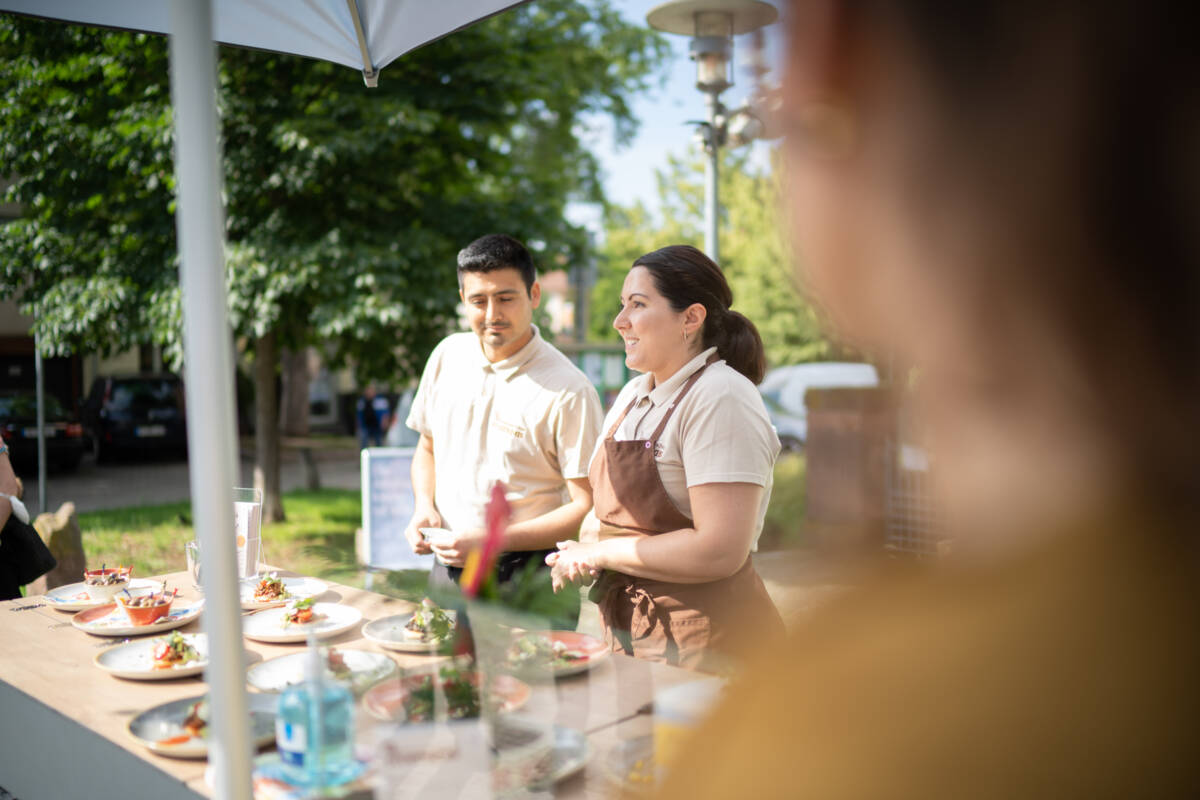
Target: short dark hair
x: 683, y: 275
x: 497, y: 251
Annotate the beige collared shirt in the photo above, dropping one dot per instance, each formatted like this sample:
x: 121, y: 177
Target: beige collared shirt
x: 531, y: 421
x: 719, y: 433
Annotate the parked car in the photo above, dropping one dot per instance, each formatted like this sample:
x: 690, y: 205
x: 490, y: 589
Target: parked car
x: 136, y: 413
x: 65, y: 442
x: 783, y: 391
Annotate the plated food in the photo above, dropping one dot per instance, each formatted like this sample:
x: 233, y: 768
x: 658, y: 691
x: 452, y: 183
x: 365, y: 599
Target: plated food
x: 423, y: 631
x: 429, y: 623
x: 557, y: 653
x: 178, y: 655
x: 294, y: 622
x: 360, y: 669
x: 79, y: 596
x: 174, y: 651
x: 145, y: 609
x: 453, y: 693
x: 110, y: 620
x: 180, y: 728
x: 271, y: 591
x: 104, y: 583
x: 301, y: 612
x: 196, y: 721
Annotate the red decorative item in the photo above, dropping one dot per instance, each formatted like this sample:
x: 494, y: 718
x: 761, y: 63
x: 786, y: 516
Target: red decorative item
x: 479, y: 564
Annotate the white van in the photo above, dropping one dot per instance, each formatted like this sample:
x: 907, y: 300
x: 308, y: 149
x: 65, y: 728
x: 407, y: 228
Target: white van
x: 783, y: 391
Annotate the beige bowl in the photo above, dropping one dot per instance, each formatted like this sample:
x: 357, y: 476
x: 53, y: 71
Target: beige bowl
x: 104, y: 584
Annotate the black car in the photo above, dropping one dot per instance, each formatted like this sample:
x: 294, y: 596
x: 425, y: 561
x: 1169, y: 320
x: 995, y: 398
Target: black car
x: 136, y: 414
x: 65, y: 441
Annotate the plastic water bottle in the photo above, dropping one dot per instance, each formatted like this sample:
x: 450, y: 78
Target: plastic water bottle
x: 314, y: 729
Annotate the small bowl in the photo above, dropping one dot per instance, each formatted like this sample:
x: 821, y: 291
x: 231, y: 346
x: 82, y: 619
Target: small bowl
x: 107, y: 591
x: 146, y: 615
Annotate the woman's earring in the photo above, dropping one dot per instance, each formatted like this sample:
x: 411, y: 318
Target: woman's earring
x: 685, y: 335
x: 828, y: 129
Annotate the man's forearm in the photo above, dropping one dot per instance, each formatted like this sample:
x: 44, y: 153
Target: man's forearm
x: 424, y: 479
x: 545, y: 531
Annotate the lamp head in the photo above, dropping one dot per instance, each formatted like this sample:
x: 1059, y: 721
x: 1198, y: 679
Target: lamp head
x: 712, y: 24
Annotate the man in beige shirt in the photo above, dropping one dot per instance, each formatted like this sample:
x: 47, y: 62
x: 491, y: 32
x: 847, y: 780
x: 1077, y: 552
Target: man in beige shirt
x: 500, y: 404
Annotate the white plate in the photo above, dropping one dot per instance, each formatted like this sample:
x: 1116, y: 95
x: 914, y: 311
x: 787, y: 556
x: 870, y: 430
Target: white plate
x: 566, y: 752
x: 571, y: 752
x: 437, y: 535
x: 135, y: 660
x: 389, y: 633
x: 367, y: 668
x: 111, y: 620
x: 596, y: 652
x: 161, y: 728
x: 75, y: 597
x: 333, y: 618
x: 298, y: 589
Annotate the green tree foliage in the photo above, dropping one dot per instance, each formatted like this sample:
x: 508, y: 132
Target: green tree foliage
x: 754, y: 254
x: 345, y: 206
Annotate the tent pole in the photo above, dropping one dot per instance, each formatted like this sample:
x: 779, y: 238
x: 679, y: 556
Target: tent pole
x: 41, y: 421
x: 370, y: 74
x: 208, y: 364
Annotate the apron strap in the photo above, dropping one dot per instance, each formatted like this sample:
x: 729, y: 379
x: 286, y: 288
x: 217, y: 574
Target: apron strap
x: 662, y: 426
x: 621, y: 418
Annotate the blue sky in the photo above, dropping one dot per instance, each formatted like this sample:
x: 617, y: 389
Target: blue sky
x: 664, y: 114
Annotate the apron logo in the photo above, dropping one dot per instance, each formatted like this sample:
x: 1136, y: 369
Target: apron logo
x: 659, y: 449
x: 511, y: 430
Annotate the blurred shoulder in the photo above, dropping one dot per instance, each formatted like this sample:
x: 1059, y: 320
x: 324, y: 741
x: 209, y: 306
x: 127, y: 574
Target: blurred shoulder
x: 557, y: 372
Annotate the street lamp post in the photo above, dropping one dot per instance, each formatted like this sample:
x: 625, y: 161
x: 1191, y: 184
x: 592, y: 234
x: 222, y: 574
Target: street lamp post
x: 712, y: 24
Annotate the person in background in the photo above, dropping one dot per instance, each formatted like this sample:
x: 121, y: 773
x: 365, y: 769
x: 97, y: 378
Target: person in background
x: 11, y: 508
x: 1003, y: 195
x: 682, y: 478
x: 374, y: 417
x: 499, y: 403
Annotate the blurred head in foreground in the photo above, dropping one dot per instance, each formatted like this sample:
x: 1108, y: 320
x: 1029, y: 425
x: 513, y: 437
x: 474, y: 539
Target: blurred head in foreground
x: 1002, y: 195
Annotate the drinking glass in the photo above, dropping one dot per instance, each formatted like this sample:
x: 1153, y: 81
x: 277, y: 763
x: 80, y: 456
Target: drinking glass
x: 192, y: 551
x: 247, y: 527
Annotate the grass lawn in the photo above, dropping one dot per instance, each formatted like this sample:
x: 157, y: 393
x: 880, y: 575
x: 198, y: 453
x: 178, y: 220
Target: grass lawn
x: 318, y: 536
x: 316, y: 539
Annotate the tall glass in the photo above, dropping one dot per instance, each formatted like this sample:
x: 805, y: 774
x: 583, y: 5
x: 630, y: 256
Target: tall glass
x: 247, y: 526
x: 192, y: 551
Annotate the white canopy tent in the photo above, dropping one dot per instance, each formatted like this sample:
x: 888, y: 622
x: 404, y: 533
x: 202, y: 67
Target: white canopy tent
x: 364, y: 34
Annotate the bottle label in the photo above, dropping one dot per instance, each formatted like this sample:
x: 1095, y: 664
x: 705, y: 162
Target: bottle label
x: 290, y: 740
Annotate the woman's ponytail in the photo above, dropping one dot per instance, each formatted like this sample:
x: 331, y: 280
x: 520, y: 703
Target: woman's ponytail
x: 738, y: 342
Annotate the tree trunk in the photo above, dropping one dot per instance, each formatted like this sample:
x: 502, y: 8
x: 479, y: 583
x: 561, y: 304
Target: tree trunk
x: 266, y: 428
x: 294, y: 408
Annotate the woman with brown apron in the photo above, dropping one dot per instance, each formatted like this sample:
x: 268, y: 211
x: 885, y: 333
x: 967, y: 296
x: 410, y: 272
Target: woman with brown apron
x: 682, y: 478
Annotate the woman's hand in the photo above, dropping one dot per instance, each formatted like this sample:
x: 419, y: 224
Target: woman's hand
x: 574, y: 563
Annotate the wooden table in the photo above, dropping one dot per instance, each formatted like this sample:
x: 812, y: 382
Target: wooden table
x: 63, y: 720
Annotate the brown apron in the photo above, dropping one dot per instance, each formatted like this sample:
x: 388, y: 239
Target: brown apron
x: 693, y: 625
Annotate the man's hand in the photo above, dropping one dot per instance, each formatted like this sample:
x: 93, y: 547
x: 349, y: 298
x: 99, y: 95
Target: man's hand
x: 453, y: 552
x: 574, y: 563
x: 423, y: 518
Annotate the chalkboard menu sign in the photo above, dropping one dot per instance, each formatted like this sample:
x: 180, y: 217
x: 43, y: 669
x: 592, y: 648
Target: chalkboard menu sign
x: 387, y: 507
